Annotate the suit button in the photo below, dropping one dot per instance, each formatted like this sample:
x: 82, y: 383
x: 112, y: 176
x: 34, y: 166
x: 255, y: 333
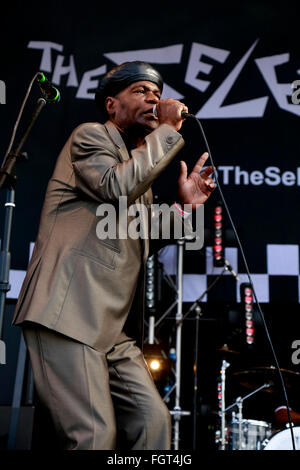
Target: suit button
x: 170, y: 139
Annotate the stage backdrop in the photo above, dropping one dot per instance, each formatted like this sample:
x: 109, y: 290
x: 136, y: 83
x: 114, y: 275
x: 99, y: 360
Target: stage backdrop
x: 233, y: 65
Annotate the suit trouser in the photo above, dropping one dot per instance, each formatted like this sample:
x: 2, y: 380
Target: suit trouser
x: 97, y: 401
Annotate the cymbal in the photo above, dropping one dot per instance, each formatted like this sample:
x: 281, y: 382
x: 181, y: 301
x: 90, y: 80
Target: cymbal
x: 257, y: 376
x: 225, y: 349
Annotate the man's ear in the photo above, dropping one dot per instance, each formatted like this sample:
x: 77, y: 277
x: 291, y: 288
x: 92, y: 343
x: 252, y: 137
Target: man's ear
x: 110, y: 104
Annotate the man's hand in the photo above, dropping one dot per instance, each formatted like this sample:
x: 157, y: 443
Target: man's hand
x: 196, y: 188
x: 169, y: 112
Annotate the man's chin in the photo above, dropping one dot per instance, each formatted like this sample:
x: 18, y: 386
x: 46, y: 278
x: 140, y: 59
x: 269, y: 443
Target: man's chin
x: 145, y: 127
x: 150, y: 125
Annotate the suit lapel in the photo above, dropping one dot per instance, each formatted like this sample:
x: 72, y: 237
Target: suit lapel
x: 119, y: 142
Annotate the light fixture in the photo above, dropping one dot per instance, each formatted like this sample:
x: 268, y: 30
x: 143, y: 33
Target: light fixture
x: 247, y: 301
x: 158, y: 362
x: 218, y: 248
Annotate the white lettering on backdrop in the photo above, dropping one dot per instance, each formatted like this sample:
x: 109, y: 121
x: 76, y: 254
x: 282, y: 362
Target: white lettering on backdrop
x: 60, y: 66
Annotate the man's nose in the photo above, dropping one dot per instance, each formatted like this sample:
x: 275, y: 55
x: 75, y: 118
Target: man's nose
x: 152, y: 98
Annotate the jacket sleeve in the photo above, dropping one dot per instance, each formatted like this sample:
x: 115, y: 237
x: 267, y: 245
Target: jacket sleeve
x: 99, y: 171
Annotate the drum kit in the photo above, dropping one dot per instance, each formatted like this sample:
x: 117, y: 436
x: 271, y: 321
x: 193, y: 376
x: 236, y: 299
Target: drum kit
x: 237, y: 433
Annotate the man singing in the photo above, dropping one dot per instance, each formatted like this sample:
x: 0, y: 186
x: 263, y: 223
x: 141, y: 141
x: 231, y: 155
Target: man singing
x: 81, y: 303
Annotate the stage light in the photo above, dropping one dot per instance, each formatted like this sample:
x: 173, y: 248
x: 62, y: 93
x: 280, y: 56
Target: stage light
x: 218, y: 248
x: 150, y: 284
x: 154, y: 364
x: 154, y: 275
x: 158, y: 362
x: 247, y: 302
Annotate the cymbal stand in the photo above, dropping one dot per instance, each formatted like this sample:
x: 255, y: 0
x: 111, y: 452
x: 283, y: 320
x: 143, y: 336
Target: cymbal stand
x: 225, y: 364
x: 239, y: 403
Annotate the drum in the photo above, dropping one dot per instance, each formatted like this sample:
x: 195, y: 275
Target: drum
x: 254, y: 434
x: 283, y: 440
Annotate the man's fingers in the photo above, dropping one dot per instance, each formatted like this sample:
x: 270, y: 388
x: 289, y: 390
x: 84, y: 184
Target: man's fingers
x: 210, y: 184
x: 200, y: 163
x: 183, y: 170
x: 207, y: 172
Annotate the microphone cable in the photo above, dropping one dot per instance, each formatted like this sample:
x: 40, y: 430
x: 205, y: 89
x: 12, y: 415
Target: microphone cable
x: 192, y: 116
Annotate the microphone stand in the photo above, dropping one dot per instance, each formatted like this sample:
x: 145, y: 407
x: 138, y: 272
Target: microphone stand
x: 177, y: 411
x: 8, y: 181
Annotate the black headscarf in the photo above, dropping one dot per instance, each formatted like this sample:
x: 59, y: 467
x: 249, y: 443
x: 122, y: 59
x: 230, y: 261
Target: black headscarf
x: 122, y: 76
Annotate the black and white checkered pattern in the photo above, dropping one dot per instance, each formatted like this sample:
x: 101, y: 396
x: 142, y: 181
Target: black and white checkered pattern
x: 276, y: 277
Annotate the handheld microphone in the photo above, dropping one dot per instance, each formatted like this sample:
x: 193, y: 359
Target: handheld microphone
x: 50, y: 93
x: 183, y: 114
x: 230, y: 268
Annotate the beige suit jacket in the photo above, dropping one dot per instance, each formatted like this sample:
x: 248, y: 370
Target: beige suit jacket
x: 77, y: 284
